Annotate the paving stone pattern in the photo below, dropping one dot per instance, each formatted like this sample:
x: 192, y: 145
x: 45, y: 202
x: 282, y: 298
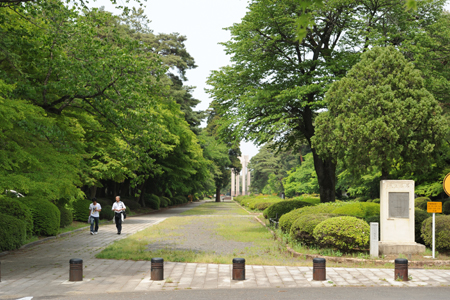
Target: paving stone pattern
x: 43, y: 270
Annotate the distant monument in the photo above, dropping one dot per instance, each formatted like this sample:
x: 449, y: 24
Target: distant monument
x: 397, y: 233
x: 235, y: 190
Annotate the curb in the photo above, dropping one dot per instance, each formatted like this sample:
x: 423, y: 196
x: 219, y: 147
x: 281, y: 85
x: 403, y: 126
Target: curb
x: 412, y: 263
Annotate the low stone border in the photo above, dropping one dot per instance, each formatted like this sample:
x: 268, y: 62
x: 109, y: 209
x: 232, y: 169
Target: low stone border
x: 412, y: 263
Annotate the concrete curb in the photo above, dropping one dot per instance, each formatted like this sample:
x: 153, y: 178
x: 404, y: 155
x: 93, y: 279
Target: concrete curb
x: 412, y: 263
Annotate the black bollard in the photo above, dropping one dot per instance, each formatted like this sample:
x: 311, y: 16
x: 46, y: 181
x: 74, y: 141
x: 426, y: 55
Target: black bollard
x: 238, y: 269
x: 401, y: 269
x: 319, y: 271
x: 76, y: 269
x: 157, y: 269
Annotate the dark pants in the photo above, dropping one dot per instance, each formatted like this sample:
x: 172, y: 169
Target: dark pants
x: 94, y: 220
x: 118, y: 220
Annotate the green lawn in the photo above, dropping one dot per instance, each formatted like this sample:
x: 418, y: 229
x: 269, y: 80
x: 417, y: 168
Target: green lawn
x: 216, y: 208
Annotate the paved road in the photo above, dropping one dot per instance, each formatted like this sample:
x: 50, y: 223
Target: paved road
x: 338, y: 293
x: 43, y: 270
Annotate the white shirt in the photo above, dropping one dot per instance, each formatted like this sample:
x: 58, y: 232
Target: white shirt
x: 118, y: 206
x: 91, y: 208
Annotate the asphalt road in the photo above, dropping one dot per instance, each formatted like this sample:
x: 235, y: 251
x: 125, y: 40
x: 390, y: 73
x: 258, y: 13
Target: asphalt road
x: 365, y: 293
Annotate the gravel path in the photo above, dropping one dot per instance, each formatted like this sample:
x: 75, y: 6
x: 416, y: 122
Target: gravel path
x: 198, y: 235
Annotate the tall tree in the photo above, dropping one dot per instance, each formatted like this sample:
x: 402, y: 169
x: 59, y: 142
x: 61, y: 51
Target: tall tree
x: 275, y: 86
x: 380, y: 116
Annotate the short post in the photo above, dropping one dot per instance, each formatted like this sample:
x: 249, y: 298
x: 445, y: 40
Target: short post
x: 157, y: 269
x: 401, y: 269
x: 238, y: 269
x: 374, y: 239
x: 76, y: 269
x: 319, y: 269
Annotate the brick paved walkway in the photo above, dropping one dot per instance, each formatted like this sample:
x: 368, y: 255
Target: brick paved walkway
x: 43, y: 270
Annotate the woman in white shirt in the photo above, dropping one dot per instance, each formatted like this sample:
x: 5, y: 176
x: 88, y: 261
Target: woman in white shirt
x: 94, y: 210
x: 118, y: 207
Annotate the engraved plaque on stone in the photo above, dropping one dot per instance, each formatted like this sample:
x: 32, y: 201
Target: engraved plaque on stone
x: 398, y: 205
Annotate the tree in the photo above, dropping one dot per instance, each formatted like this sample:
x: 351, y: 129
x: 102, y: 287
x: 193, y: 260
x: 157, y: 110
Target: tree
x: 275, y: 86
x: 301, y: 179
x: 379, y: 116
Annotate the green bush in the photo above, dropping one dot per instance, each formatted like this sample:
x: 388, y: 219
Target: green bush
x: 442, y: 227
x: 302, y: 229
x: 106, y: 213
x: 377, y: 200
x: 13, y: 232
x: 280, y: 208
x: 288, y: 219
x: 360, y: 210
x: 133, y: 205
x: 180, y: 199
x: 19, y: 210
x: 46, y: 216
x: 446, y: 208
x: 262, y: 205
x: 152, y: 201
x: 169, y: 203
x: 163, y: 202
x: 105, y: 202
x: 66, y: 215
x: 421, y: 202
x: 419, y: 217
x: 81, y: 209
x: 344, y: 233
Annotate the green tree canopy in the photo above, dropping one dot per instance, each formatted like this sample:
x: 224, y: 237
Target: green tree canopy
x: 380, y: 115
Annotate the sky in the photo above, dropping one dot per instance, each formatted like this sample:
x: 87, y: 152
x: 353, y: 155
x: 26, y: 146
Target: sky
x: 202, y: 22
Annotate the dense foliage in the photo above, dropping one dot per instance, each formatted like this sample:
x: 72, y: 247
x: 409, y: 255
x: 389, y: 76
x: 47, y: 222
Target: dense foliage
x: 13, y: 232
x: 442, y: 228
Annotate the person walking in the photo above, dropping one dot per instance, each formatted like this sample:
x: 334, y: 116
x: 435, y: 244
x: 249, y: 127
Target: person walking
x: 118, y: 207
x: 94, y: 210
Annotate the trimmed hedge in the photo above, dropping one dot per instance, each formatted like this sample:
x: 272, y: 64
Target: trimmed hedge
x: 421, y: 202
x: 442, y: 232
x: 302, y: 229
x: 446, y: 208
x: 133, y: 205
x: 163, y: 202
x: 106, y: 213
x: 359, y: 210
x: 66, y: 216
x: 19, y: 210
x: 104, y: 202
x: 152, y: 201
x: 166, y: 199
x: 288, y: 219
x: 13, y: 232
x: 419, y: 217
x: 280, y: 208
x: 344, y: 233
x: 46, y: 216
x: 81, y: 209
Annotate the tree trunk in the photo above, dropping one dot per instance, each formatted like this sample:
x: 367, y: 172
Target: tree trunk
x: 217, y: 194
x: 326, y: 175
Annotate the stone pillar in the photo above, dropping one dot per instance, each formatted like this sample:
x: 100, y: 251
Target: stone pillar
x: 237, y: 185
x: 248, y: 182
x: 233, y: 182
x: 397, y: 234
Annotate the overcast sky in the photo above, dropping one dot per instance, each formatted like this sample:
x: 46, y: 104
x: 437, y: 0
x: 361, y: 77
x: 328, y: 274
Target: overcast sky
x: 202, y: 22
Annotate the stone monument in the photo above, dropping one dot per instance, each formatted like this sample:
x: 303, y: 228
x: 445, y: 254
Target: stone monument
x: 397, y: 233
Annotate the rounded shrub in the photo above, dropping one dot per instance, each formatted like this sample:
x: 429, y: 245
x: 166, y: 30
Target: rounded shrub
x: 13, y: 232
x: 280, y: 208
x: 360, y: 210
x: 180, y: 199
x: 377, y: 200
x: 105, y: 202
x: 153, y: 201
x: 81, y: 209
x: 19, y: 210
x: 442, y: 232
x: 262, y: 205
x: 133, y: 205
x: 106, y: 213
x: 446, y: 208
x: 169, y: 203
x: 66, y: 215
x: 421, y: 202
x: 344, y: 233
x: 302, y: 229
x: 163, y: 202
x: 46, y: 216
x: 324, y: 208
x: 419, y: 217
